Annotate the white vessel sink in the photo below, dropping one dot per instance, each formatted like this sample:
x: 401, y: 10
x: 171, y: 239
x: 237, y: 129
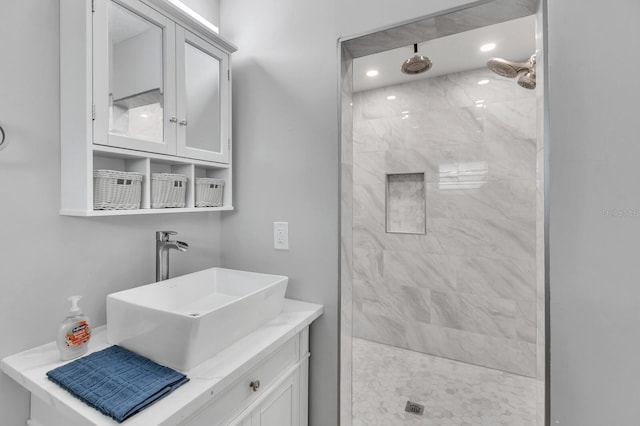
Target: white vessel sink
x: 183, y: 321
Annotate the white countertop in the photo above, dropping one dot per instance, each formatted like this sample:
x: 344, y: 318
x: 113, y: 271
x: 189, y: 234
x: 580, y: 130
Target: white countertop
x: 208, y: 379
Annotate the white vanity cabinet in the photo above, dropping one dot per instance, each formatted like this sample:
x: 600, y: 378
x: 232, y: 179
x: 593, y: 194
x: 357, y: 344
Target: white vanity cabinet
x: 281, y: 408
x: 222, y: 391
x: 145, y: 87
x: 274, y: 393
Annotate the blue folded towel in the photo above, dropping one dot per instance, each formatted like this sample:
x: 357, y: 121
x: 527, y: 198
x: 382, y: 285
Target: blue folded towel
x: 116, y: 381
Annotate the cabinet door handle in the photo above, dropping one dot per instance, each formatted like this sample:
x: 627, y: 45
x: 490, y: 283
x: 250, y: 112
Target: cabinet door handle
x: 183, y: 122
x: 173, y: 119
x: 255, y: 385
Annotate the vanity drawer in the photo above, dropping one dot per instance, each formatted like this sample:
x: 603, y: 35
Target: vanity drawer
x: 240, y: 394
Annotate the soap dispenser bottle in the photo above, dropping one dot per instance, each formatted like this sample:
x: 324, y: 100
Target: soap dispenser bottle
x: 74, y: 332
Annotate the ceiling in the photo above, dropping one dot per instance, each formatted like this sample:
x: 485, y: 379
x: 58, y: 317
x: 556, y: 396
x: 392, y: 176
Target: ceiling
x: 515, y: 40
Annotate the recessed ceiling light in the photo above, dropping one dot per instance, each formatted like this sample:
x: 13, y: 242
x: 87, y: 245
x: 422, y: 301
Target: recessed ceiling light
x: 487, y: 47
x: 372, y: 73
x: 480, y: 101
x: 483, y: 82
x: 404, y: 112
x: 144, y: 115
x: 391, y: 97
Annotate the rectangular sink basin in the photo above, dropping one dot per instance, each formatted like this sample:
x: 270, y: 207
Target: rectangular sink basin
x: 183, y: 321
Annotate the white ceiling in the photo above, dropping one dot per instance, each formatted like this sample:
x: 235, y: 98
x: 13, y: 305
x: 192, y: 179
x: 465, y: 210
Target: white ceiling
x: 515, y: 40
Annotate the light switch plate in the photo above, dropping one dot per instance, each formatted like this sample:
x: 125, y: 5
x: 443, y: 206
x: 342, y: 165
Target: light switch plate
x: 281, y: 235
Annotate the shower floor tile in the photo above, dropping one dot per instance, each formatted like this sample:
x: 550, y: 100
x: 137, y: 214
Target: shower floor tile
x: 452, y: 392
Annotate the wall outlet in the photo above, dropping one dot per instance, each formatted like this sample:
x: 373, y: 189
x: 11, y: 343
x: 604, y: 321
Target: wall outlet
x: 281, y: 235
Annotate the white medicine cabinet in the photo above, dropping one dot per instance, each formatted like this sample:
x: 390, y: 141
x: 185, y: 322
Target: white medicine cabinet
x: 145, y: 87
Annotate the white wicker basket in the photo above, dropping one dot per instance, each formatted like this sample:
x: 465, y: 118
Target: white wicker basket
x: 168, y: 190
x: 116, y: 190
x: 209, y: 192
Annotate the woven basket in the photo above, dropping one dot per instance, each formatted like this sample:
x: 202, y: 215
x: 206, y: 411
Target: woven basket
x: 168, y: 190
x: 209, y: 192
x: 116, y: 190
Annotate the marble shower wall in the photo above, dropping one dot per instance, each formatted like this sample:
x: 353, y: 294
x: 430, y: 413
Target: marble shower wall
x: 466, y: 289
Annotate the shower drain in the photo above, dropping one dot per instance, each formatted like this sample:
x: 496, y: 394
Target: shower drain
x: 414, y: 408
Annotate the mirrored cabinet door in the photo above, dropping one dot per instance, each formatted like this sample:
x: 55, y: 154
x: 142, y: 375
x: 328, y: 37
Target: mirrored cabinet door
x: 134, y: 77
x: 203, y: 98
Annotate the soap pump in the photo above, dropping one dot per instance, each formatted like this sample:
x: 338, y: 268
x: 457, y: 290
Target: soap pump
x: 74, y: 332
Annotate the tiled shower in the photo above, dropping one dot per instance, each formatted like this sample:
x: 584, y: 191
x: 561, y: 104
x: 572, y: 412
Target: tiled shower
x: 446, y: 219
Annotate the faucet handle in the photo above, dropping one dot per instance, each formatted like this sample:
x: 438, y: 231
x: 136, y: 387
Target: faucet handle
x: 164, y: 235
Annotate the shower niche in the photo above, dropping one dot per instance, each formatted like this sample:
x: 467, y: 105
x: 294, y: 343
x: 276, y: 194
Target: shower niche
x: 406, y: 211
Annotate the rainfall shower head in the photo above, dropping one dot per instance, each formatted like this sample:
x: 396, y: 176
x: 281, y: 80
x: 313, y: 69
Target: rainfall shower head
x: 416, y: 64
x: 511, y: 69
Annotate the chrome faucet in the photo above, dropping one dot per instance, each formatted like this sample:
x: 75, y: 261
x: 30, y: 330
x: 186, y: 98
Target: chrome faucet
x: 163, y: 245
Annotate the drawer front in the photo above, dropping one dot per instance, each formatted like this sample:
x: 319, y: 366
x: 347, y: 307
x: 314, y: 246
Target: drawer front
x: 239, y: 395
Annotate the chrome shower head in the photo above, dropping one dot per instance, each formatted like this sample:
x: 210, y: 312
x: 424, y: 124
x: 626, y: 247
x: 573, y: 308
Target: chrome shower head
x: 528, y: 81
x: 506, y: 68
x: 511, y: 69
x: 417, y: 64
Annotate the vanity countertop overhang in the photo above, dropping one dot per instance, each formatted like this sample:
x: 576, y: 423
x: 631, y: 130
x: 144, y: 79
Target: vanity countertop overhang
x: 207, y: 379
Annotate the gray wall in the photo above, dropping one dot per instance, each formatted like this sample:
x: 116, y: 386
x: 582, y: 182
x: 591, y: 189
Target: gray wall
x: 45, y: 257
x: 209, y: 9
x: 465, y: 289
x: 594, y: 212
x: 286, y: 151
